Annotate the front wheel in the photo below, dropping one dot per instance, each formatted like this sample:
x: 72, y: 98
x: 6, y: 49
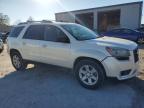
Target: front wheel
x: 89, y: 73
x: 17, y: 61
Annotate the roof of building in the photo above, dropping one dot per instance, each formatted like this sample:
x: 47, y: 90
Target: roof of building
x: 138, y: 2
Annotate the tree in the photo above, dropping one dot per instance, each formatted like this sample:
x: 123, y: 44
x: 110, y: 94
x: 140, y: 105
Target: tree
x: 4, y: 19
x: 17, y: 22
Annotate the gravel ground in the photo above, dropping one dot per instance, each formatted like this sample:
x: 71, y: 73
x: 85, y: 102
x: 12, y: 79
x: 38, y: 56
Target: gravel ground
x: 44, y: 86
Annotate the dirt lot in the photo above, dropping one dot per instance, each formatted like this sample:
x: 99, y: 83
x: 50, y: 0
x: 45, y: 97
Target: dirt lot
x: 44, y: 86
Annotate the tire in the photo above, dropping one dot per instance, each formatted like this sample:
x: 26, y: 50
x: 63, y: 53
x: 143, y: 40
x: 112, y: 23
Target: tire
x: 1, y: 50
x: 18, y: 62
x: 90, y: 74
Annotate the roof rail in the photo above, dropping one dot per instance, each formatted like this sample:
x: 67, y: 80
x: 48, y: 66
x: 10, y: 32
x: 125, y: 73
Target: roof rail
x: 43, y: 21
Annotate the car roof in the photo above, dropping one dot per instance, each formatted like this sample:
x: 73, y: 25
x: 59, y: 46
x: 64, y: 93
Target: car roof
x: 37, y: 23
x: 42, y: 22
x: 123, y: 29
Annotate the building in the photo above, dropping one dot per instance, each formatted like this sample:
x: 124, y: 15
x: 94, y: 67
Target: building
x: 126, y: 15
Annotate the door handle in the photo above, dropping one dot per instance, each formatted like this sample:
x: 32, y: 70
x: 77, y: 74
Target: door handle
x: 44, y: 46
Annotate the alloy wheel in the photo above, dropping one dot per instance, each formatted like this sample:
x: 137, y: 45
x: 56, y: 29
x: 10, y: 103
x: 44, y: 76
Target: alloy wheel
x: 16, y: 61
x: 88, y: 75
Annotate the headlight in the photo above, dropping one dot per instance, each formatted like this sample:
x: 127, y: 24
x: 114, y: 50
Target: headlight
x: 119, y: 53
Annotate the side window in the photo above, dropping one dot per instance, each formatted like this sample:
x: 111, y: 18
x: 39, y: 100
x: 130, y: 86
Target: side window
x: 54, y: 34
x: 35, y: 32
x: 16, y: 31
x: 116, y: 31
x: 126, y: 31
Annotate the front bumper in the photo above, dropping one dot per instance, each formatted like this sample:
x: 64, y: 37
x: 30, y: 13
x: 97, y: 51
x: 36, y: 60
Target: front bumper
x: 114, y: 67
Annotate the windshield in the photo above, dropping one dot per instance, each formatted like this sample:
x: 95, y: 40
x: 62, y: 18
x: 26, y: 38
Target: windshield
x: 80, y: 32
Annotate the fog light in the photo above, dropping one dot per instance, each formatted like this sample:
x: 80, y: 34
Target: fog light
x: 124, y: 73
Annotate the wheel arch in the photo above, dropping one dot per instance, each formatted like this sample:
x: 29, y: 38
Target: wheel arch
x: 89, y: 58
x: 14, y: 51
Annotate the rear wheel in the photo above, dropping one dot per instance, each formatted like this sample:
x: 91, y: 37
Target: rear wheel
x: 1, y: 50
x: 90, y: 74
x: 17, y: 61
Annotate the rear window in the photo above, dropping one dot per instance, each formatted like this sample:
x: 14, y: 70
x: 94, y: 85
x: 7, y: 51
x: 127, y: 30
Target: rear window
x: 116, y: 31
x: 16, y: 31
x: 127, y: 31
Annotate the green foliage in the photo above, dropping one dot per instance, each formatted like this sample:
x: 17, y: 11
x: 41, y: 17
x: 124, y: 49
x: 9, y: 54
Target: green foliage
x: 4, y: 19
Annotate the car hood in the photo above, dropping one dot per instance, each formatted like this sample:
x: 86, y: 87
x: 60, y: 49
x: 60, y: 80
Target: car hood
x: 114, y: 42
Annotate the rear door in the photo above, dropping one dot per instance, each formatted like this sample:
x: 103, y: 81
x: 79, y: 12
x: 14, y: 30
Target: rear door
x: 31, y: 42
x: 13, y: 39
x: 56, y: 48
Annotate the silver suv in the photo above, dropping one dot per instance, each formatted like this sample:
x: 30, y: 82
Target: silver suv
x: 92, y: 58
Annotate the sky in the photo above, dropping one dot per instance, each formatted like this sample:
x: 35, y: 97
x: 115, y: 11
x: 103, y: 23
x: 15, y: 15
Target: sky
x: 21, y: 10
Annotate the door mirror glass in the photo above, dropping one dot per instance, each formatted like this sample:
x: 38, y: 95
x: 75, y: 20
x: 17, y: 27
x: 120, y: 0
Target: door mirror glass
x: 63, y: 39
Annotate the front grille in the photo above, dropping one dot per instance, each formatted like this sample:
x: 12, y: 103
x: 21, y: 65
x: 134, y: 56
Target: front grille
x: 136, y: 58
